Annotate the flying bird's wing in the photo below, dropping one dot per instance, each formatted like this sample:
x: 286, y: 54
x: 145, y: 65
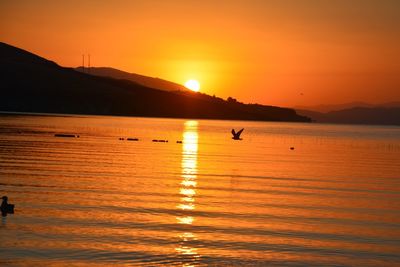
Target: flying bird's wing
x: 233, y: 132
x: 240, y: 132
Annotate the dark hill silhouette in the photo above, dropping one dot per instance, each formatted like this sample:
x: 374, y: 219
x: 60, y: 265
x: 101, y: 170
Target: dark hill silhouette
x: 30, y: 83
x: 151, y: 82
x: 357, y: 115
x: 332, y: 107
x: 337, y: 107
x: 394, y: 104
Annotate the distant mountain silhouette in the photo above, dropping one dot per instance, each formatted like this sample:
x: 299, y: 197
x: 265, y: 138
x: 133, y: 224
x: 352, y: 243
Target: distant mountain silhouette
x: 151, y: 82
x: 333, y: 107
x: 29, y: 83
x: 357, y: 115
x: 395, y: 104
x: 336, y: 107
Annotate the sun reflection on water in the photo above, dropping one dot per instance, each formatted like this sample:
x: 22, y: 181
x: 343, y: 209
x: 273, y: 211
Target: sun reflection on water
x: 188, y: 191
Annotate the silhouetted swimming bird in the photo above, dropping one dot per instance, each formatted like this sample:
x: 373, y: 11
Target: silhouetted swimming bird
x: 236, y: 135
x: 5, y: 207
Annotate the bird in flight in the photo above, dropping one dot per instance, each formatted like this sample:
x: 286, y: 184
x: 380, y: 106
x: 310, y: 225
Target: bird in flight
x: 236, y: 135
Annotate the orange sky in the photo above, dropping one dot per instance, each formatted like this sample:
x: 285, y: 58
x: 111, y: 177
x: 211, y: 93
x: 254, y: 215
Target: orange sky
x: 286, y: 52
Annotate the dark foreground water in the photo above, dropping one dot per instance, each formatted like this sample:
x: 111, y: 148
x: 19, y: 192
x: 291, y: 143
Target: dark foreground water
x: 333, y: 200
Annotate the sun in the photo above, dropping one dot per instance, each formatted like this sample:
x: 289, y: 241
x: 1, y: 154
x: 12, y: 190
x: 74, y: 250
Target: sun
x: 193, y: 85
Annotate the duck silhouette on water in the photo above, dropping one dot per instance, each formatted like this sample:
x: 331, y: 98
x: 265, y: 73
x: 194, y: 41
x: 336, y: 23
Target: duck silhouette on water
x: 5, y: 207
x: 236, y: 135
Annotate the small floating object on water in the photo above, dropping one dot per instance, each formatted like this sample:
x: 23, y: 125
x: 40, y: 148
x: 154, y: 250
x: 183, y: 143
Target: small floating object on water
x: 6, y: 208
x: 160, y: 140
x: 179, y: 142
x: 291, y: 148
x: 121, y: 138
x: 132, y: 139
x: 66, y: 135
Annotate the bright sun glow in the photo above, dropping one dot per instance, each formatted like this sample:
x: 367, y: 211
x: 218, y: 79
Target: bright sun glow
x: 193, y: 85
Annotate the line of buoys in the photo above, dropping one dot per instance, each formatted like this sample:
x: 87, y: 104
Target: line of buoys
x: 154, y: 140
x: 66, y: 135
x: 128, y: 139
x: 120, y: 138
x: 160, y: 140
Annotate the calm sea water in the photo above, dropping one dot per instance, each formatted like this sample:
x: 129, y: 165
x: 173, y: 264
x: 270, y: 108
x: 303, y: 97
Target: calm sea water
x: 334, y: 200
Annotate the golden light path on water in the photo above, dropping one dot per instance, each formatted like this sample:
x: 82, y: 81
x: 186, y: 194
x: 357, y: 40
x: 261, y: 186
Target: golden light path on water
x: 188, y: 187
